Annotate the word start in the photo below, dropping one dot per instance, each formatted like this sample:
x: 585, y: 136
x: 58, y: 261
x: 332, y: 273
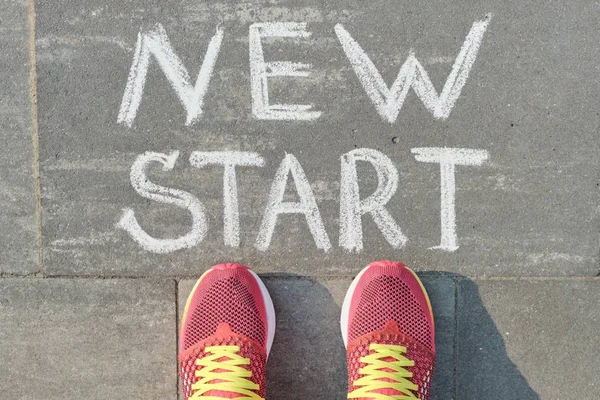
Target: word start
x: 352, y: 207
x: 387, y: 101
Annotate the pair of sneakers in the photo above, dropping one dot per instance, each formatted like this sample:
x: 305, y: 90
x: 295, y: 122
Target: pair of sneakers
x: 228, y: 327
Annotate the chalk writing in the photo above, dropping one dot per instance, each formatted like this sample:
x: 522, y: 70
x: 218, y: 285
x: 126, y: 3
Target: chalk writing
x: 142, y: 185
x: 260, y: 71
x: 388, y: 101
x: 229, y: 160
x: 276, y: 206
x: 448, y: 159
x: 156, y: 43
x: 352, y: 207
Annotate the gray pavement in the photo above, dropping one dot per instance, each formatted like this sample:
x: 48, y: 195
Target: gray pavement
x: 527, y: 338
x: 80, y: 338
x: 531, y: 338
x: 89, y: 306
x: 529, y: 101
x: 18, y: 239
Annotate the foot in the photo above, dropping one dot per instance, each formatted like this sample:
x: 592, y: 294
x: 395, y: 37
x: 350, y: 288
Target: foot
x: 388, y: 330
x: 227, y: 330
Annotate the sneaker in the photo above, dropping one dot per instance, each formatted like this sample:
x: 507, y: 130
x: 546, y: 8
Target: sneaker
x: 387, y: 327
x: 227, y: 330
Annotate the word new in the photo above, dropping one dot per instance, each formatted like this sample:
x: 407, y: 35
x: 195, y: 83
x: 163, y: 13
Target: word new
x: 386, y: 100
x: 352, y: 207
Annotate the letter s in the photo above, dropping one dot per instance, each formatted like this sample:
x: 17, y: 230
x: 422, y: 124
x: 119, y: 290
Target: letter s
x: 180, y: 198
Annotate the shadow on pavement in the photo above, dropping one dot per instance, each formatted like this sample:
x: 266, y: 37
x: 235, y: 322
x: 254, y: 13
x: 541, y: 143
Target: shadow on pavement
x: 308, y: 359
x: 484, y: 370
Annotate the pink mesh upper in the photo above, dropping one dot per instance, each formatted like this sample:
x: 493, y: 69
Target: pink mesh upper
x: 228, y: 294
x: 389, y: 306
x: 388, y: 291
x: 225, y: 309
x: 424, y: 359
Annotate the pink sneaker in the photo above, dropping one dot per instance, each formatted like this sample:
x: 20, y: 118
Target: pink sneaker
x: 388, y: 330
x: 227, y: 330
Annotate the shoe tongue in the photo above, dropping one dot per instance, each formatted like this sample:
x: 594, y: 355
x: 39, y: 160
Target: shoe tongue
x: 390, y: 328
x: 222, y: 395
x: 223, y: 330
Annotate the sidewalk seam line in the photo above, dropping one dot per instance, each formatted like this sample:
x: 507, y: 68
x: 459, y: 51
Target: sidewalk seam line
x: 455, y: 352
x: 177, y: 337
x: 267, y: 276
x: 35, y: 137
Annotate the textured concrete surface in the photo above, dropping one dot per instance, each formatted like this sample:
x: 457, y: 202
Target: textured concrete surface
x: 529, y: 216
x: 528, y: 339
x: 92, y: 339
x: 530, y: 101
x: 308, y: 359
x: 18, y: 236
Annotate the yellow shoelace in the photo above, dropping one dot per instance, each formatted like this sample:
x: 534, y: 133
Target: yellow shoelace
x: 378, y: 369
x: 223, y: 370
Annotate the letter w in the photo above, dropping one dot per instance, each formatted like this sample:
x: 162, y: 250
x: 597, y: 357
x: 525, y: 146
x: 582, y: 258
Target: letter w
x: 156, y: 43
x: 388, y: 101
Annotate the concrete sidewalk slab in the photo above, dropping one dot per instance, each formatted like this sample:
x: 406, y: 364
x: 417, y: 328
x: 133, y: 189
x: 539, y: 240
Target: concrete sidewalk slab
x: 528, y: 339
x: 308, y: 360
x: 87, y: 339
x: 18, y: 236
x: 530, y: 101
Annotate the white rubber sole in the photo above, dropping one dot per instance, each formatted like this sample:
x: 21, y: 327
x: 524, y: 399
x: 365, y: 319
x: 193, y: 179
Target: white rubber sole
x: 268, y: 302
x: 346, y: 306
